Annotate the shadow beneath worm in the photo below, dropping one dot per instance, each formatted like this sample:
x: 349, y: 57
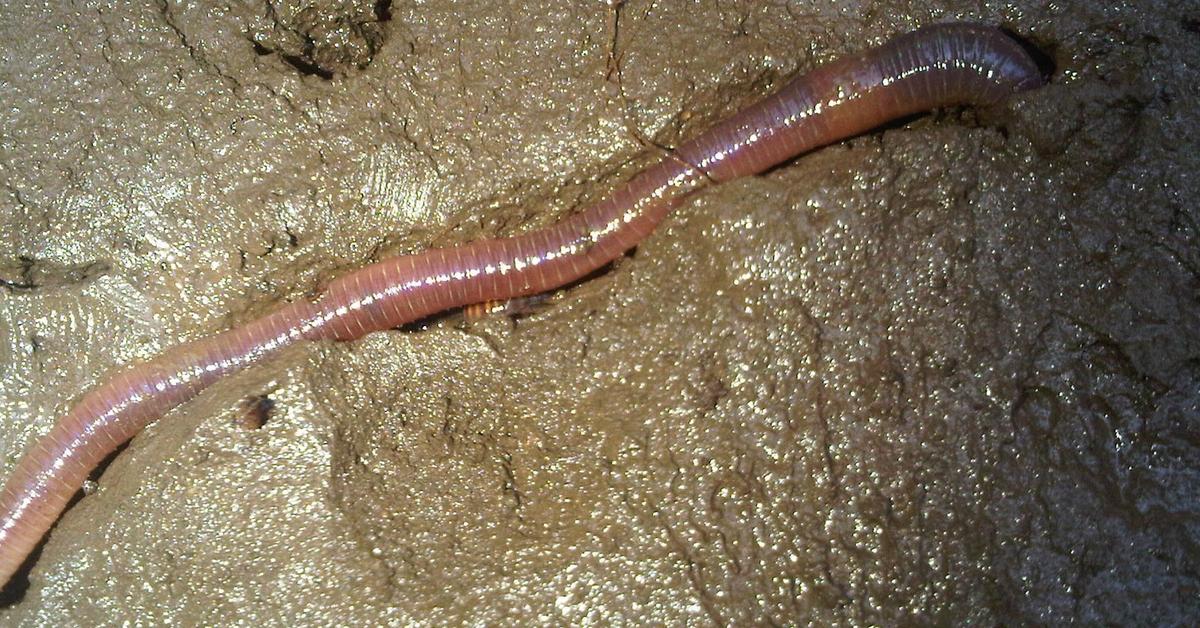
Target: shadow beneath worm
x: 14, y: 591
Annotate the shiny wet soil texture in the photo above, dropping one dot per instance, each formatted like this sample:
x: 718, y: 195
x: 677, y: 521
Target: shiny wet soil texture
x: 947, y: 371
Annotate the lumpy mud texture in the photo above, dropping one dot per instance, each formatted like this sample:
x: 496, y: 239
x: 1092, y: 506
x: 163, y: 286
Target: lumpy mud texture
x: 948, y: 371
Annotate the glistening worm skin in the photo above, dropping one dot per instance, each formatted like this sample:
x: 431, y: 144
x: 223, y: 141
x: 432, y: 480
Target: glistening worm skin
x: 936, y: 66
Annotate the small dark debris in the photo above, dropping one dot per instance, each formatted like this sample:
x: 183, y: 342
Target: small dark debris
x: 256, y: 411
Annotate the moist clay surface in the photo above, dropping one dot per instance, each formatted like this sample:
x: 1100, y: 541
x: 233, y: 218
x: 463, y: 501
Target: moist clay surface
x: 948, y: 371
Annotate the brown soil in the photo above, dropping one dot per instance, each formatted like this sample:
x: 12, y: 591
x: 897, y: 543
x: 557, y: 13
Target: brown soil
x: 945, y: 372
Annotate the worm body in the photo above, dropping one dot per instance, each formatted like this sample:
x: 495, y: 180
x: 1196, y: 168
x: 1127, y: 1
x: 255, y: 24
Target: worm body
x: 936, y: 66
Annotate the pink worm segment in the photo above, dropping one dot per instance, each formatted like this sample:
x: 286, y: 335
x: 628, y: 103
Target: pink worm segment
x: 933, y: 67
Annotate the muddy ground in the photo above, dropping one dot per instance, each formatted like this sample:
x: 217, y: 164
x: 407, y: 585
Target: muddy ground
x: 948, y: 371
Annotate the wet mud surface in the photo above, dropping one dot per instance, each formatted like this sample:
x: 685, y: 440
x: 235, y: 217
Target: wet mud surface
x: 948, y: 371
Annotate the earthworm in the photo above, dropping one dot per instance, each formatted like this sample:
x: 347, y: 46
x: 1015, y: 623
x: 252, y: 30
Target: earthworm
x: 936, y: 66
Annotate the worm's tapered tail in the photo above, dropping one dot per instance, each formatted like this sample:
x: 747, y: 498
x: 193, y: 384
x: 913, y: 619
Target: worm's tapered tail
x: 936, y: 66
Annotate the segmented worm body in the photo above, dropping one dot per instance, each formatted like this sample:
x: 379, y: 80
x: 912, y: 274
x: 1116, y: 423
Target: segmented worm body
x: 936, y: 66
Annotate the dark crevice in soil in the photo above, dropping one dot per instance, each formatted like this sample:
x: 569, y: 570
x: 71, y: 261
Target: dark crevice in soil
x: 383, y: 10
x: 306, y: 67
